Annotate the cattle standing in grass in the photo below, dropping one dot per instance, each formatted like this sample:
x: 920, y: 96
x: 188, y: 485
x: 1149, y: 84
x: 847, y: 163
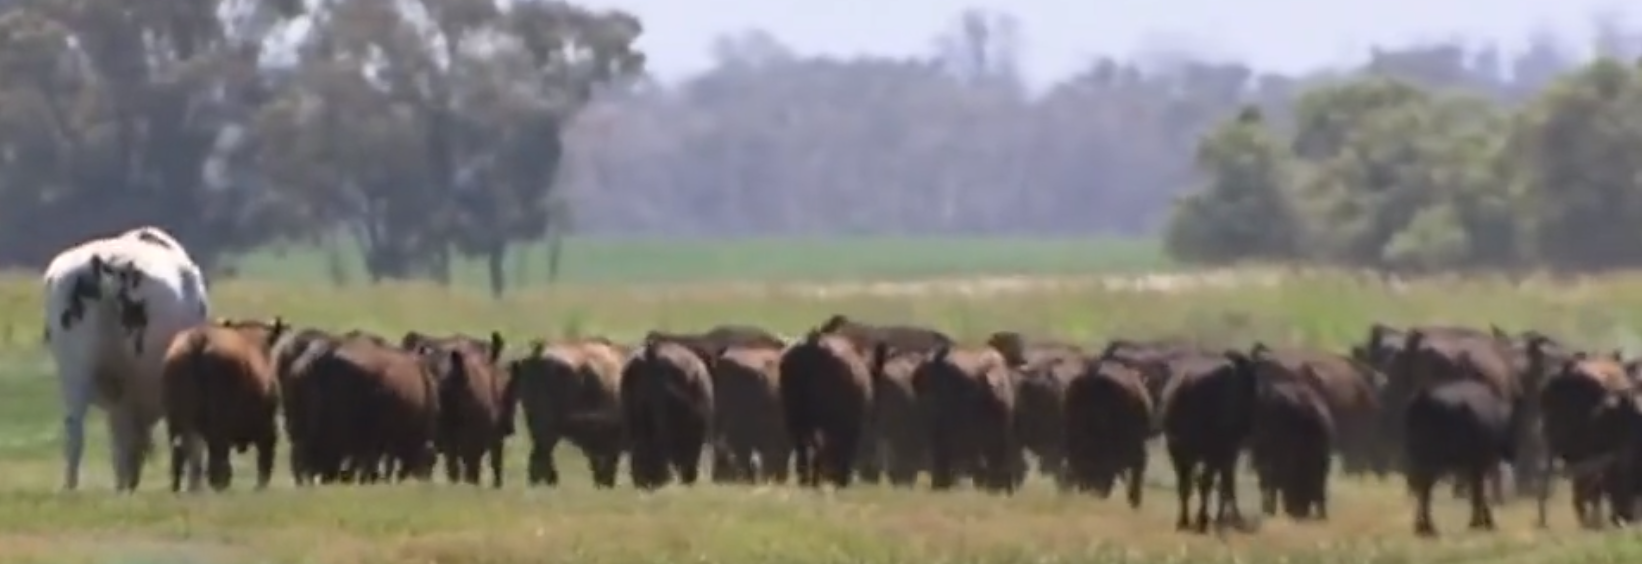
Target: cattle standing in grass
x: 1044, y: 370
x: 747, y: 404
x: 667, y: 395
x: 220, y: 389
x: 572, y: 390
x: 1108, y: 420
x: 475, y: 410
x: 1290, y: 440
x: 1460, y: 427
x: 1207, y: 415
x: 1574, y: 404
x: 112, y: 307
x: 368, y: 409
x: 969, y: 397
x: 900, y: 441
x: 827, y: 393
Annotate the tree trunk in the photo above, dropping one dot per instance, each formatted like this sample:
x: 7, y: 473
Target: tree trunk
x: 555, y: 249
x: 496, y: 268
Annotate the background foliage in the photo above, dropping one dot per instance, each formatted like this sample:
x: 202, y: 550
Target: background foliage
x: 413, y: 134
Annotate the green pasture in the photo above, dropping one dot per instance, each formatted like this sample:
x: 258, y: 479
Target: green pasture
x: 1370, y: 521
x: 656, y: 261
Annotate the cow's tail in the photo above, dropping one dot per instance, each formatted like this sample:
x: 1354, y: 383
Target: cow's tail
x: 194, y: 386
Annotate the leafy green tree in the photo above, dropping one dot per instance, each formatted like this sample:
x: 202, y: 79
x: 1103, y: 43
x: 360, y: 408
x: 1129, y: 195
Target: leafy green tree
x: 1573, y: 152
x: 1244, y: 211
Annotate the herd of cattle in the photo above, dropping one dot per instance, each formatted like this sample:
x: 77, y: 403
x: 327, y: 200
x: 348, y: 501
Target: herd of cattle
x: 852, y: 400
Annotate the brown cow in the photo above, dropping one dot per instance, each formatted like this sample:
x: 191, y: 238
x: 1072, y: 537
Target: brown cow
x: 866, y: 337
x: 1158, y: 361
x: 1350, y: 390
x: 1291, y: 433
x: 721, y: 337
x: 900, y: 441
x: 1207, y: 414
x: 969, y: 396
x: 293, y: 358
x: 1045, y: 368
x: 475, y: 410
x: 1573, y: 402
x: 667, y: 396
x: 220, y: 389
x: 747, y: 403
x: 827, y: 393
x: 896, y: 338
x: 572, y: 390
x: 1429, y: 358
x: 1108, y: 421
x: 365, y: 405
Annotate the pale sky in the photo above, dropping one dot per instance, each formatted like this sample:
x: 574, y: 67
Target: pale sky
x: 1061, y: 35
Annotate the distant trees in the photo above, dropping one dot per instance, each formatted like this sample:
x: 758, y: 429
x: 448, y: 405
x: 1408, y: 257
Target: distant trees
x: 420, y: 128
x: 430, y: 129
x: 1390, y: 175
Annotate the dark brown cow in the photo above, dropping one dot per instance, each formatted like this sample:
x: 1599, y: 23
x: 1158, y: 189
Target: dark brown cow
x: 1573, y: 403
x: 667, y: 396
x: 1459, y: 427
x: 1429, y: 358
x: 896, y: 338
x: 220, y: 389
x: 969, y: 396
x: 1207, y: 410
x: 747, y: 402
x: 1045, y: 368
x: 364, y: 406
x: 827, y: 393
x: 293, y: 358
x: 1350, y: 390
x: 709, y: 343
x: 1290, y: 439
x: 475, y: 409
x: 900, y: 441
x: 1109, y: 418
x: 572, y: 390
x: 1158, y: 361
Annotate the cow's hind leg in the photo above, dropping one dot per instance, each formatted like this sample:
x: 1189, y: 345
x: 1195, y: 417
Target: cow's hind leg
x: 266, y: 445
x: 126, y: 445
x: 1421, y: 481
x: 76, y: 395
x: 498, y: 453
x: 541, y: 469
x: 219, y: 472
x: 1136, y: 478
x: 185, y: 462
x: 1482, y: 516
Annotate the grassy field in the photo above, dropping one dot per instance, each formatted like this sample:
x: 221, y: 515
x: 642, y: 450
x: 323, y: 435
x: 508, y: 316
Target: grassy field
x: 647, y: 261
x: 450, y: 524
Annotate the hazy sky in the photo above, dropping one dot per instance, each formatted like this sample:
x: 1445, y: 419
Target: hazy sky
x: 1061, y: 35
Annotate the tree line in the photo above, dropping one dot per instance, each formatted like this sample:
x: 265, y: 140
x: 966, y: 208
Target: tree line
x: 1376, y: 171
x: 427, y: 129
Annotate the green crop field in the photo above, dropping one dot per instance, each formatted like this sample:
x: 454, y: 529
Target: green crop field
x: 652, y: 261
x: 438, y: 523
